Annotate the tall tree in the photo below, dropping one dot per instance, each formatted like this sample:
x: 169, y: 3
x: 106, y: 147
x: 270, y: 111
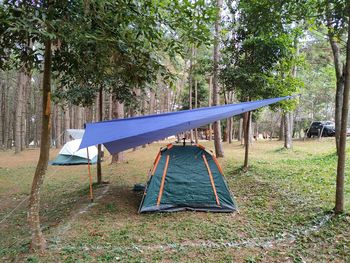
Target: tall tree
x: 339, y: 201
x: 334, y: 19
x: 116, y: 45
x: 219, y: 152
x: 38, y: 242
x: 257, y: 61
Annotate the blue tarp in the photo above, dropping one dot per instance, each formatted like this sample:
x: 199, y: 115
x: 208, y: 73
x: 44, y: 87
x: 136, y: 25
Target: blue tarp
x: 122, y: 134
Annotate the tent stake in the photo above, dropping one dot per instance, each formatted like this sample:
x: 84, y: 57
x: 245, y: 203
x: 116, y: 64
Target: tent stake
x: 89, y: 169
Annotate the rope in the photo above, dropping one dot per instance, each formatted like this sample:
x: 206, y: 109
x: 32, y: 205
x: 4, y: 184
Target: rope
x: 58, y: 137
x: 27, y: 197
x: 10, y: 213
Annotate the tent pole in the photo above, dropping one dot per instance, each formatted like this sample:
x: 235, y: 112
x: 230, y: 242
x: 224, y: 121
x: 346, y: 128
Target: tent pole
x: 90, y: 177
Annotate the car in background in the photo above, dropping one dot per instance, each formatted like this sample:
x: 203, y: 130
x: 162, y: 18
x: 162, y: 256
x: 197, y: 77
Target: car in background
x: 326, y: 127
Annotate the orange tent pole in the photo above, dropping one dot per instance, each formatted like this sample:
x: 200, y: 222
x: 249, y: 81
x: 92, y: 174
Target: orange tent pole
x: 211, y: 180
x: 163, y: 180
x: 89, y: 169
x: 156, y: 161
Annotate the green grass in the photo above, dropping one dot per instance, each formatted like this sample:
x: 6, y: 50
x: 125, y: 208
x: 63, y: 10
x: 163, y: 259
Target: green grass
x: 284, y: 192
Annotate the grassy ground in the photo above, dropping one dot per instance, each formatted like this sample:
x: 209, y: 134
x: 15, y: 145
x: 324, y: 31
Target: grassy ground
x: 283, y: 202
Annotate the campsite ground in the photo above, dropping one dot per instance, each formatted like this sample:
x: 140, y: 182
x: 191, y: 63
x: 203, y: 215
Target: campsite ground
x: 285, y: 202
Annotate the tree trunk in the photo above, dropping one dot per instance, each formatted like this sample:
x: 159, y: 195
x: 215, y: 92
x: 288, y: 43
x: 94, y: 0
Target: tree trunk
x: 7, y: 119
x: 25, y: 95
x: 29, y: 113
x: 99, y: 146
x: 339, y: 198
x: 247, y: 140
x: 190, y: 79
x: 2, y: 113
x: 24, y: 114
x: 136, y: 112
x: 224, y: 132
x: 38, y: 242
x: 230, y: 129
x: 95, y: 109
x: 18, y: 109
x: 66, y: 124
x: 79, y: 117
x: 110, y: 107
x: 287, y: 130
x: 58, y: 127
x: 118, y: 113
x: 152, y: 102
x: 240, y: 130
x: 209, y: 104
x: 196, y: 106
x: 36, y: 114
x: 72, y: 116
x: 281, y: 131
x: 339, y: 86
x: 216, y: 93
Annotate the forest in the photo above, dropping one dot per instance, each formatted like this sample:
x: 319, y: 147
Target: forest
x: 64, y: 64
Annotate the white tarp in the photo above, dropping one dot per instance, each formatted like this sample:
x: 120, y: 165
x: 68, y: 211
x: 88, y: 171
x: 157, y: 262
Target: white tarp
x: 76, y: 133
x: 71, y: 148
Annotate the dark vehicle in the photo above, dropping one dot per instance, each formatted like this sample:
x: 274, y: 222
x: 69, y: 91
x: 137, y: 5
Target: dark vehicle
x: 327, y: 128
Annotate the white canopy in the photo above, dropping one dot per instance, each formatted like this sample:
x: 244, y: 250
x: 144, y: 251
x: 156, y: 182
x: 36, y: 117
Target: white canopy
x: 71, y: 148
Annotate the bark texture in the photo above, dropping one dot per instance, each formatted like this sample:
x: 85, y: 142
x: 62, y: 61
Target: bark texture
x: 196, y: 106
x: 281, y: 128
x: 38, y: 242
x: 209, y: 104
x: 118, y: 113
x: 339, y: 87
x: 287, y: 117
x: 216, y: 91
x: 18, y: 108
x: 99, y: 146
x: 339, y: 197
x: 246, y: 140
x: 66, y: 123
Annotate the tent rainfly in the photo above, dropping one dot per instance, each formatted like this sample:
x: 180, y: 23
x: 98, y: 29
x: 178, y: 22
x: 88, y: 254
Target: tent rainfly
x: 186, y: 178
x: 71, y: 155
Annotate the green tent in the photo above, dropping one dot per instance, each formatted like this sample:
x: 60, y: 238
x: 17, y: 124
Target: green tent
x: 186, y: 178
